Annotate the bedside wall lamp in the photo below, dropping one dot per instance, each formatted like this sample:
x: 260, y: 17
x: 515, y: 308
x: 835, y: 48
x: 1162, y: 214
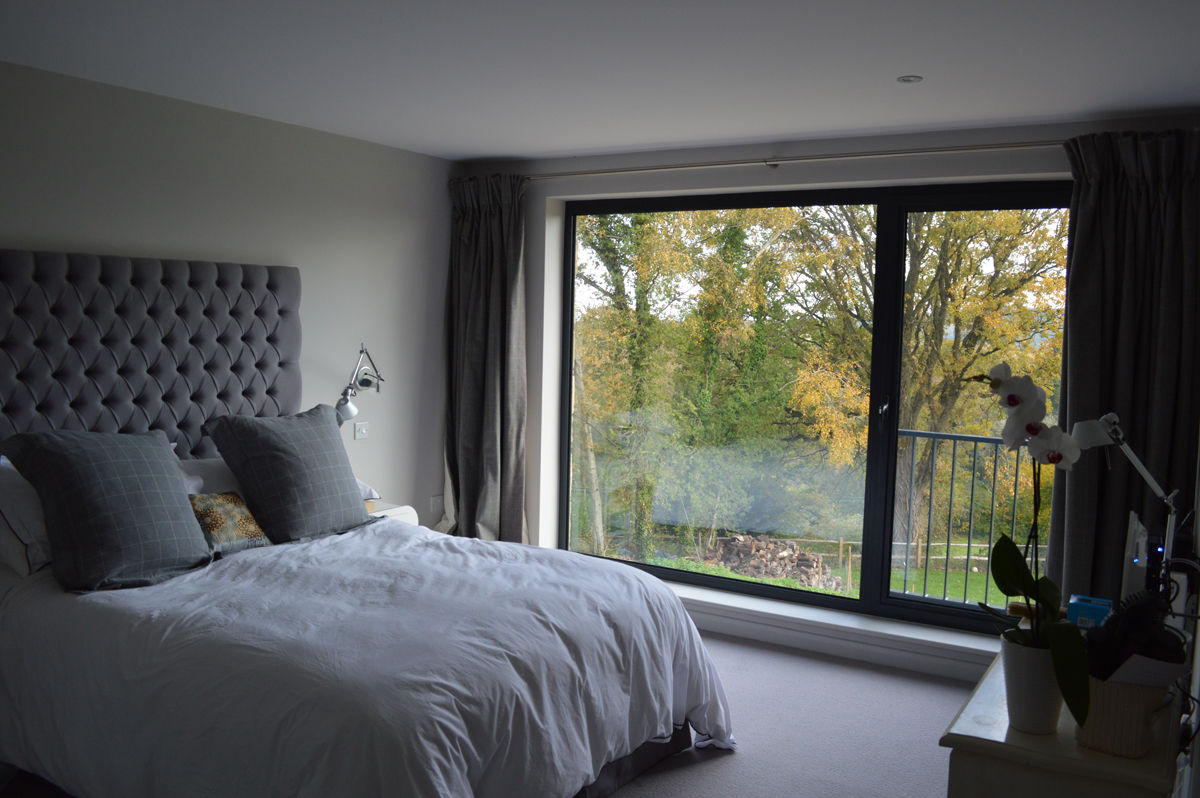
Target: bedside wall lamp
x: 364, y: 378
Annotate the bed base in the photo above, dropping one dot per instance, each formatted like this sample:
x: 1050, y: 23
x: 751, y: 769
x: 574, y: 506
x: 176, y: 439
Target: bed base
x: 620, y: 772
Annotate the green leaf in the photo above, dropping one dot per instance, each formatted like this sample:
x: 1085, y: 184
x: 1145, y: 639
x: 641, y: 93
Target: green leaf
x: 1009, y: 569
x: 1048, y: 594
x: 1005, y: 620
x: 1068, y: 651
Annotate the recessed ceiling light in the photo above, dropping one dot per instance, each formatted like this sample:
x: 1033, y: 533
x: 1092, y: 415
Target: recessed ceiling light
x: 909, y: 79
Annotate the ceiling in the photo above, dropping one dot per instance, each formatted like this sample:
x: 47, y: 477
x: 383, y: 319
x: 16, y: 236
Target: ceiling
x: 468, y: 79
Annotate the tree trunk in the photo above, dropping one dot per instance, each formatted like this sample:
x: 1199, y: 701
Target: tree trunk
x: 643, y: 521
x: 712, y: 525
x: 912, y: 506
x: 591, y: 472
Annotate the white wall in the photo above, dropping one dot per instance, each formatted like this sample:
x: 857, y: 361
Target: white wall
x: 91, y: 168
x: 983, y: 155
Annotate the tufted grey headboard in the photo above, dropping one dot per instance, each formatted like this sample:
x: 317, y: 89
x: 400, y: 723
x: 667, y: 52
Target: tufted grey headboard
x: 117, y: 344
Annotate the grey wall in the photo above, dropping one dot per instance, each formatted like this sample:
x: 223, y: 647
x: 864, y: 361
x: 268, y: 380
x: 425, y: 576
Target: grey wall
x: 91, y: 168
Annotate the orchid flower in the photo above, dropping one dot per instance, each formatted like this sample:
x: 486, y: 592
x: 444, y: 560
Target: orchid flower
x: 999, y: 374
x: 1021, y: 395
x: 1054, y: 447
x: 1020, y: 427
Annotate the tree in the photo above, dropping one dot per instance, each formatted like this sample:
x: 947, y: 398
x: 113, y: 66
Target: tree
x: 980, y: 286
x: 631, y: 271
x: 698, y: 333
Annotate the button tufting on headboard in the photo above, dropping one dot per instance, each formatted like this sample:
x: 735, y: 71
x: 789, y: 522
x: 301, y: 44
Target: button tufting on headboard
x: 124, y: 344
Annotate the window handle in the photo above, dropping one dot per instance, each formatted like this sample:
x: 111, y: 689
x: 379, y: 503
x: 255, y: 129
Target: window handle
x: 883, y: 408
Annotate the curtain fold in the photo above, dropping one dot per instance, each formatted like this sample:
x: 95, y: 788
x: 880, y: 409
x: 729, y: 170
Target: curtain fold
x: 486, y: 379
x: 1133, y: 298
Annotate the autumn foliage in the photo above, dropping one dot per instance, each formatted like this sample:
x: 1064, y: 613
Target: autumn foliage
x: 722, y: 364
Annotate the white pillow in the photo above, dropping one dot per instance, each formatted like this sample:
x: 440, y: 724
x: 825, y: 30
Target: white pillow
x: 24, y: 546
x: 208, y: 475
x: 367, y: 491
x: 212, y: 475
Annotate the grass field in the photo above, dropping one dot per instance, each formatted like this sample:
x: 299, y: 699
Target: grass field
x: 968, y: 588
x: 955, y: 586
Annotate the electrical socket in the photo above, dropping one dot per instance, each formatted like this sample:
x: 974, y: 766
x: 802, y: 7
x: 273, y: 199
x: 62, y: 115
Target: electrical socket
x: 360, y: 430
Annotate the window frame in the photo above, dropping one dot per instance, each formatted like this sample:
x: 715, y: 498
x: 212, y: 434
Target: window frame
x: 893, y: 204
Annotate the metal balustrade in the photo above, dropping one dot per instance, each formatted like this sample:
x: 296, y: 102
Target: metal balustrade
x: 937, y: 532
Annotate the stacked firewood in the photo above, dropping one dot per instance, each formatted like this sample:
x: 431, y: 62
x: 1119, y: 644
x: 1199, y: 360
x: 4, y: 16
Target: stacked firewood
x: 760, y: 556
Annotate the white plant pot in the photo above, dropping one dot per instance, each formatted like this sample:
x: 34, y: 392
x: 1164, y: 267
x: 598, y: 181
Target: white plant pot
x: 1034, y: 700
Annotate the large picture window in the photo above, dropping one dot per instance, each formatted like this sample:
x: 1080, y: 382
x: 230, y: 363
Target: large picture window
x: 768, y: 393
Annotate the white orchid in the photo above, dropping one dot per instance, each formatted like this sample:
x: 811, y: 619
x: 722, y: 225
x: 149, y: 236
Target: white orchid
x: 1025, y: 404
x: 1021, y: 395
x: 1019, y: 428
x: 1054, y: 447
x: 999, y: 374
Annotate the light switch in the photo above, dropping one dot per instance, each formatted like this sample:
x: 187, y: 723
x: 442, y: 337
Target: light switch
x: 360, y: 430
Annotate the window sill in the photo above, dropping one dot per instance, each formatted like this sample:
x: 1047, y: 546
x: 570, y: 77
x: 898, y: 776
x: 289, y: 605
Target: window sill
x: 930, y: 650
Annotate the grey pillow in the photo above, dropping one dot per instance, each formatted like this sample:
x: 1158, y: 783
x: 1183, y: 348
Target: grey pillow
x: 117, y: 514
x: 294, y: 472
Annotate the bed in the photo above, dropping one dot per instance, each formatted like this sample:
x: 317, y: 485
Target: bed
x: 281, y: 642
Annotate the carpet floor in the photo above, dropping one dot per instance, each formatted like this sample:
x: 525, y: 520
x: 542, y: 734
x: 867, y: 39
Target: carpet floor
x: 807, y: 727
x: 816, y: 727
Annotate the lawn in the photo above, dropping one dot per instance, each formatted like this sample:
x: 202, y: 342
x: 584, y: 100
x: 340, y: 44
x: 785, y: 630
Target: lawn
x: 955, y: 585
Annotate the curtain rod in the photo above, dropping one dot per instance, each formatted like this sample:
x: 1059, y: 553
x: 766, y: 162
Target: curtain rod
x: 773, y: 163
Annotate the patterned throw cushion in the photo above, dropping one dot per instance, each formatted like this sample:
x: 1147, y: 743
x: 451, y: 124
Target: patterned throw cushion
x: 227, y: 521
x: 116, y: 509
x: 294, y: 472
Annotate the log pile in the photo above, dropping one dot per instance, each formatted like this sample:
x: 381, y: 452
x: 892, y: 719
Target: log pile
x: 761, y: 556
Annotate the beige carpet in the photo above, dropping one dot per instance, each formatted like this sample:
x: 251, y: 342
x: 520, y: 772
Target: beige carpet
x: 816, y: 727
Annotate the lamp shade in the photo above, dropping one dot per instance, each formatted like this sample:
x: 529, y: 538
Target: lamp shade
x: 1089, y: 434
x: 346, y: 410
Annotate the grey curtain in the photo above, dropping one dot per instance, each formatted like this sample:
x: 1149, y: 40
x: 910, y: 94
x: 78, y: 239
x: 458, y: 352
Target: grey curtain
x: 485, y: 332
x: 1133, y: 299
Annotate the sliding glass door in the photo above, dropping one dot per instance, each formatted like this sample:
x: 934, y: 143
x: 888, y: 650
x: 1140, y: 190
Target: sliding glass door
x: 751, y: 383
x: 980, y: 287
x: 721, y: 365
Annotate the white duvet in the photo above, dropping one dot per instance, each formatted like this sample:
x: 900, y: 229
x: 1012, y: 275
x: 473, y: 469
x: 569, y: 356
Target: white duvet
x: 388, y: 661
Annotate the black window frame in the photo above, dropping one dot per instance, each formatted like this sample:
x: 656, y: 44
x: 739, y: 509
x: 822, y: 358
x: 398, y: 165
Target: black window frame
x: 893, y: 204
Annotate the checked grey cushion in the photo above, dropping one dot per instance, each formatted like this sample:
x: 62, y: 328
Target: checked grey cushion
x: 293, y: 471
x: 116, y: 509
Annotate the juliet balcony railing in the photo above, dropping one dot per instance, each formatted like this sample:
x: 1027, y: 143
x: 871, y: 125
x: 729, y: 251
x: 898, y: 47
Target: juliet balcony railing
x: 954, y: 495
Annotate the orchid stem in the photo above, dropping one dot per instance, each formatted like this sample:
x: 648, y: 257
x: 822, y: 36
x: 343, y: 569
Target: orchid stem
x: 1035, y: 626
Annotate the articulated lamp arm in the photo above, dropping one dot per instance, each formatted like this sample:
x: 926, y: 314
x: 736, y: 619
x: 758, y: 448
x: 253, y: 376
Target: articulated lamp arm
x: 1106, y: 431
x: 361, y: 379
